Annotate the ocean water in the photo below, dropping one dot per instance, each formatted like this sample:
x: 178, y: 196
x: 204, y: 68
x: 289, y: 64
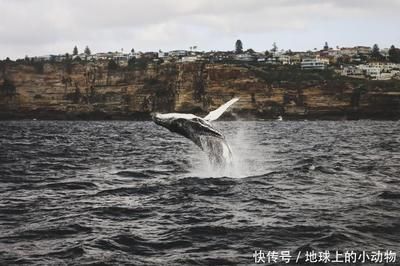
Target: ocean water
x: 133, y: 193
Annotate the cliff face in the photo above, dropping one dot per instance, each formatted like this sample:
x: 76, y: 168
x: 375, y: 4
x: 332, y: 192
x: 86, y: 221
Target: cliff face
x: 59, y: 90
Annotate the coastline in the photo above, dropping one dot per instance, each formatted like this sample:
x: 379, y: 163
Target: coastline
x: 91, y: 91
x: 140, y: 116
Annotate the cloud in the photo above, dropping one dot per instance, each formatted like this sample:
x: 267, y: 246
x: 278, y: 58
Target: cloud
x: 50, y: 26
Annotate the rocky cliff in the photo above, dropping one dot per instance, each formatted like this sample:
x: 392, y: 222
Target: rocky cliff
x: 94, y: 90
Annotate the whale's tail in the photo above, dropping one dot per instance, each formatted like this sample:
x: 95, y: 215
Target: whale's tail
x: 214, y: 115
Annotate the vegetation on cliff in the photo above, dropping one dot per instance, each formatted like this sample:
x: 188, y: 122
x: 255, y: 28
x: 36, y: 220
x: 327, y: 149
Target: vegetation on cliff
x: 7, y: 88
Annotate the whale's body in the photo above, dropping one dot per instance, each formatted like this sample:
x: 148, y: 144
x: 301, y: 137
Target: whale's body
x: 200, y: 131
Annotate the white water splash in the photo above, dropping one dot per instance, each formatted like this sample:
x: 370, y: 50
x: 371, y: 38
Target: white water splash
x: 242, y: 158
x: 218, y: 151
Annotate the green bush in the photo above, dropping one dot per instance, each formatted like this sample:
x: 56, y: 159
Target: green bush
x: 112, y: 65
x: 8, y: 88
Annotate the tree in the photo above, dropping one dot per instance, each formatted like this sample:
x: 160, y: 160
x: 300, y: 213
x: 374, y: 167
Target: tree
x: 132, y: 51
x: 67, y: 63
x: 274, y: 47
x: 375, y: 54
x: 375, y: 48
x: 394, y: 54
x: 131, y: 62
x: 326, y: 47
x: 7, y: 88
x: 238, y: 47
x: 112, y: 65
x: 87, y: 51
x: 75, y: 51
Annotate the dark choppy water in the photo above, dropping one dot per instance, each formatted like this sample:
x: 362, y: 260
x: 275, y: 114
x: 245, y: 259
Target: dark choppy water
x: 134, y: 193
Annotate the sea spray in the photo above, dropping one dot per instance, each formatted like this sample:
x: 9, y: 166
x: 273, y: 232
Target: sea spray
x: 237, y: 156
x: 218, y: 151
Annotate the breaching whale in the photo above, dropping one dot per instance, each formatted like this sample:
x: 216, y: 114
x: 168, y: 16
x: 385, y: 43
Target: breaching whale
x: 201, y: 132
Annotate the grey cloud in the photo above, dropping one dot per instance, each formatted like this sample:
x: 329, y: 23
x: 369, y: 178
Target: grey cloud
x: 39, y: 24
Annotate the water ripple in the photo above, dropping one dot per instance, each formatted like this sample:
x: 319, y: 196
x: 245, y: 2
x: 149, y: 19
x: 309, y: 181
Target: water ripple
x: 132, y: 193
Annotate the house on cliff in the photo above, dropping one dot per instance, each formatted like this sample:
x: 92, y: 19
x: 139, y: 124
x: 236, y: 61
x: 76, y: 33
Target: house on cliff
x: 245, y: 57
x: 375, y: 71
x: 314, y: 63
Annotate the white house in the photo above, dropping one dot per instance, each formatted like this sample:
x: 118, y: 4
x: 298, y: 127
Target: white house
x: 101, y: 56
x: 162, y: 54
x: 313, y: 63
x: 363, y: 50
x: 43, y: 58
x: 177, y: 53
x: 376, y: 71
x: 186, y: 59
x: 353, y: 72
x: 284, y: 59
x: 348, y: 51
x: 244, y: 57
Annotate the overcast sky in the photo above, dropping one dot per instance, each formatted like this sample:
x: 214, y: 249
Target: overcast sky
x: 39, y: 27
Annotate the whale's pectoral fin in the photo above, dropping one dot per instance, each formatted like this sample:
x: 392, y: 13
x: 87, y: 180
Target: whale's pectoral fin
x: 214, y: 115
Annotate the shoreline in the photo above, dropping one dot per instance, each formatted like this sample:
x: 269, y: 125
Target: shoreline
x: 266, y: 92
x: 100, y: 116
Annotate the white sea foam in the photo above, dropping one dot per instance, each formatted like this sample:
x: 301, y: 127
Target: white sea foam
x: 242, y: 157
